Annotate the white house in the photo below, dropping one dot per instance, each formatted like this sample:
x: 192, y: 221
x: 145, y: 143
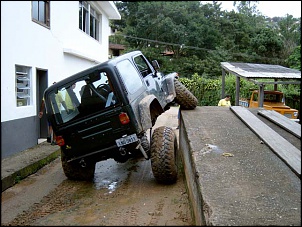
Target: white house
x: 43, y: 42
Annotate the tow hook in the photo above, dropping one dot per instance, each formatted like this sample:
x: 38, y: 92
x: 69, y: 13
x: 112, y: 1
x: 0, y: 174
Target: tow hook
x: 83, y: 163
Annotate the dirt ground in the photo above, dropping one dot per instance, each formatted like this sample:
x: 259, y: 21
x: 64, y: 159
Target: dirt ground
x: 121, y: 194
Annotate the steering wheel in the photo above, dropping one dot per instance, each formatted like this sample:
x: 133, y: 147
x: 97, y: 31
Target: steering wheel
x: 104, y: 89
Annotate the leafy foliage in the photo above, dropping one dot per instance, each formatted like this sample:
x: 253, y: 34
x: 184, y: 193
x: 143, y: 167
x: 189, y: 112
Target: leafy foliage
x: 201, y: 36
x: 267, y: 43
x: 294, y: 60
x: 208, y: 91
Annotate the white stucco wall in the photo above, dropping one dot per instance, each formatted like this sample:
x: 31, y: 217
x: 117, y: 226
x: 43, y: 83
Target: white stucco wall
x: 62, y: 50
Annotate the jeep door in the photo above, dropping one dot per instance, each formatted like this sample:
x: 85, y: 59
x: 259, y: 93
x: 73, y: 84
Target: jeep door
x: 133, y: 86
x: 152, y: 81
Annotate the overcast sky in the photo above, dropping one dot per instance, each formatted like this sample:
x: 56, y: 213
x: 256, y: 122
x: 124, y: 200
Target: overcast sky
x: 270, y: 8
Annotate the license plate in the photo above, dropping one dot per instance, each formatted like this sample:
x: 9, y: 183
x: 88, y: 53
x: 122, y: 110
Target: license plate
x: 126, y: 140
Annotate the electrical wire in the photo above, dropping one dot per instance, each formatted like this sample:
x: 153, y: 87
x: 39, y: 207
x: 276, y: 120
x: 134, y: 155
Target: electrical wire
x: 192, y: 47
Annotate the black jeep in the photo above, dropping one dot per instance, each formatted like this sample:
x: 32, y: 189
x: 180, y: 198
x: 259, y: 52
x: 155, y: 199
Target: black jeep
x: 104, y: 112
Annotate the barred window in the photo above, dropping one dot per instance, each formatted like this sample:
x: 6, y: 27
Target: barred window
x: 23, y: 85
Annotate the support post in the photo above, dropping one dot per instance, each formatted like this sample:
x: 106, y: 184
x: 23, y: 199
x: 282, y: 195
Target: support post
x: 237, y: 91
x: 223, y: 84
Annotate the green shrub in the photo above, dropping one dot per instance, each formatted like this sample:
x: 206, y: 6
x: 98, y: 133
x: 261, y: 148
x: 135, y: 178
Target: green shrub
x: 208, y: 91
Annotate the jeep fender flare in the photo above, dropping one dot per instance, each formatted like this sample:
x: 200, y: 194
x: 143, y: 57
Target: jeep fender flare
x: 170, y: 85
x: 147, y: 105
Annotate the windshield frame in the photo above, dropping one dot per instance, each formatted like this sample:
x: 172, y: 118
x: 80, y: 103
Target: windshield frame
x: 66, y: 101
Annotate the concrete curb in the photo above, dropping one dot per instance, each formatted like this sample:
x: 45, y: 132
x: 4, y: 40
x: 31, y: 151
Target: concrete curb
x: 191, y: 176
x: 16, y: 175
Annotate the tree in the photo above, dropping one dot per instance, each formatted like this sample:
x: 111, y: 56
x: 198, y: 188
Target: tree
x: 294, y: 60
x: 247, y: 7
x: 267, y: 43
x: 290, y: 30
x: 202, y: 35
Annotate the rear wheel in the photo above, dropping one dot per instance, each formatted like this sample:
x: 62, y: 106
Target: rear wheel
x: 184, y: 97
x: 77, y: 171
x: 163, y: 155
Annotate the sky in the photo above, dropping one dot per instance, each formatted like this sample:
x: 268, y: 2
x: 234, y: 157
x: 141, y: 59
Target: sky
x: 270, y: 8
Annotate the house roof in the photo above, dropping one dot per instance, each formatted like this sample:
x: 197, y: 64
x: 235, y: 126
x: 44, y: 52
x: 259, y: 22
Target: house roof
x: 167, y: 53
x: 110, y: 9
x: 256, y: 71
x: 115, y: 46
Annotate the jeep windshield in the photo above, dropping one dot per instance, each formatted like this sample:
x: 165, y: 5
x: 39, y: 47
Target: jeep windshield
x: 89, y: 94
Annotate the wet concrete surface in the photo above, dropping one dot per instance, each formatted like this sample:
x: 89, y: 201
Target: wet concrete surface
x: 231, y: 176
x: 121, y: 194
x: 234, y: 179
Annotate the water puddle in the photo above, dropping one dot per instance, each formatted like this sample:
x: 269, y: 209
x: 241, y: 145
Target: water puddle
x: 210, y: 148
x: 108, y: 184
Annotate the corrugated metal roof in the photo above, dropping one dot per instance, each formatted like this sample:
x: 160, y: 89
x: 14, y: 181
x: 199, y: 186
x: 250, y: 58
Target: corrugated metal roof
x: 249, y: 70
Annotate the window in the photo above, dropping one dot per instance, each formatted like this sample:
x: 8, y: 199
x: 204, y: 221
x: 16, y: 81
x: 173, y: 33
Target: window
x: 142, y: 66
x: 87, y: 95
x: 130, y: 76
x: 40, y: 12
x: 23, y: 85
x: 255, y: 97
x: 94, y: 24
x: 88, y: 19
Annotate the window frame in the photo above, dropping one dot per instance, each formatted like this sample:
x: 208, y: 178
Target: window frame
x: 89, y: 20
x: 23, y: 85
x: 130, y: 76
x: 46, y: 20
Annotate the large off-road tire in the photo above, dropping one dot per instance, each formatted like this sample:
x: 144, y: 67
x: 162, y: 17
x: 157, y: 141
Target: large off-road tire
x: 74, y: 170
x: 163, y: 155
x: 184, y: 97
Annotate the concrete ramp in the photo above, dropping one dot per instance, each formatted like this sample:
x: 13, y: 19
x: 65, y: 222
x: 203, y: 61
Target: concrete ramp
x: 282, y: 148
x: 233, y: 177
x: 284, y: 122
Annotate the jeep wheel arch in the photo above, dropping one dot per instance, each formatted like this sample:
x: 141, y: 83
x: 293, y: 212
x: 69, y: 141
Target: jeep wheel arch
x: 149, y: 110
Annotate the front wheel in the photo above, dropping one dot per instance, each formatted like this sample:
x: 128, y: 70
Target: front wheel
x: 163, y: 155
x: 184, y: 97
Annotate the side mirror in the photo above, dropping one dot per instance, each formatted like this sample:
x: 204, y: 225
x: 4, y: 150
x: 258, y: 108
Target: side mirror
x: 155, y: 65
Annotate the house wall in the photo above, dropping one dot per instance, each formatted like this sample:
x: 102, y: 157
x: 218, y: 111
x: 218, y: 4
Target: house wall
x: 61, y: 50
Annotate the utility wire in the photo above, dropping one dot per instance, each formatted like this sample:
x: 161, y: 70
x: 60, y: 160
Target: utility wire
x: 160, y: 42
x: 192, y: 47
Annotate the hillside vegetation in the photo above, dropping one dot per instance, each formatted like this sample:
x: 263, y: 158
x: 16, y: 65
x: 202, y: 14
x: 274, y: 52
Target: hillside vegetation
x: 200, y: 36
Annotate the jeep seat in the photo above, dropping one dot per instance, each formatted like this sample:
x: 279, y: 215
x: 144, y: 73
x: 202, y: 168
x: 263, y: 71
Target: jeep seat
x: 90, y: 102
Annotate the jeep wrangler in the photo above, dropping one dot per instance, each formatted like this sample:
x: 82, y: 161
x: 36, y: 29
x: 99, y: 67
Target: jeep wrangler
x: 104, y: 112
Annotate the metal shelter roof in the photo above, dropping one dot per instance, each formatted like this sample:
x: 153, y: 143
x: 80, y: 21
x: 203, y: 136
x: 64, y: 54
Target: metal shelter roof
x: 274, y: 74
x: 256, y: 71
